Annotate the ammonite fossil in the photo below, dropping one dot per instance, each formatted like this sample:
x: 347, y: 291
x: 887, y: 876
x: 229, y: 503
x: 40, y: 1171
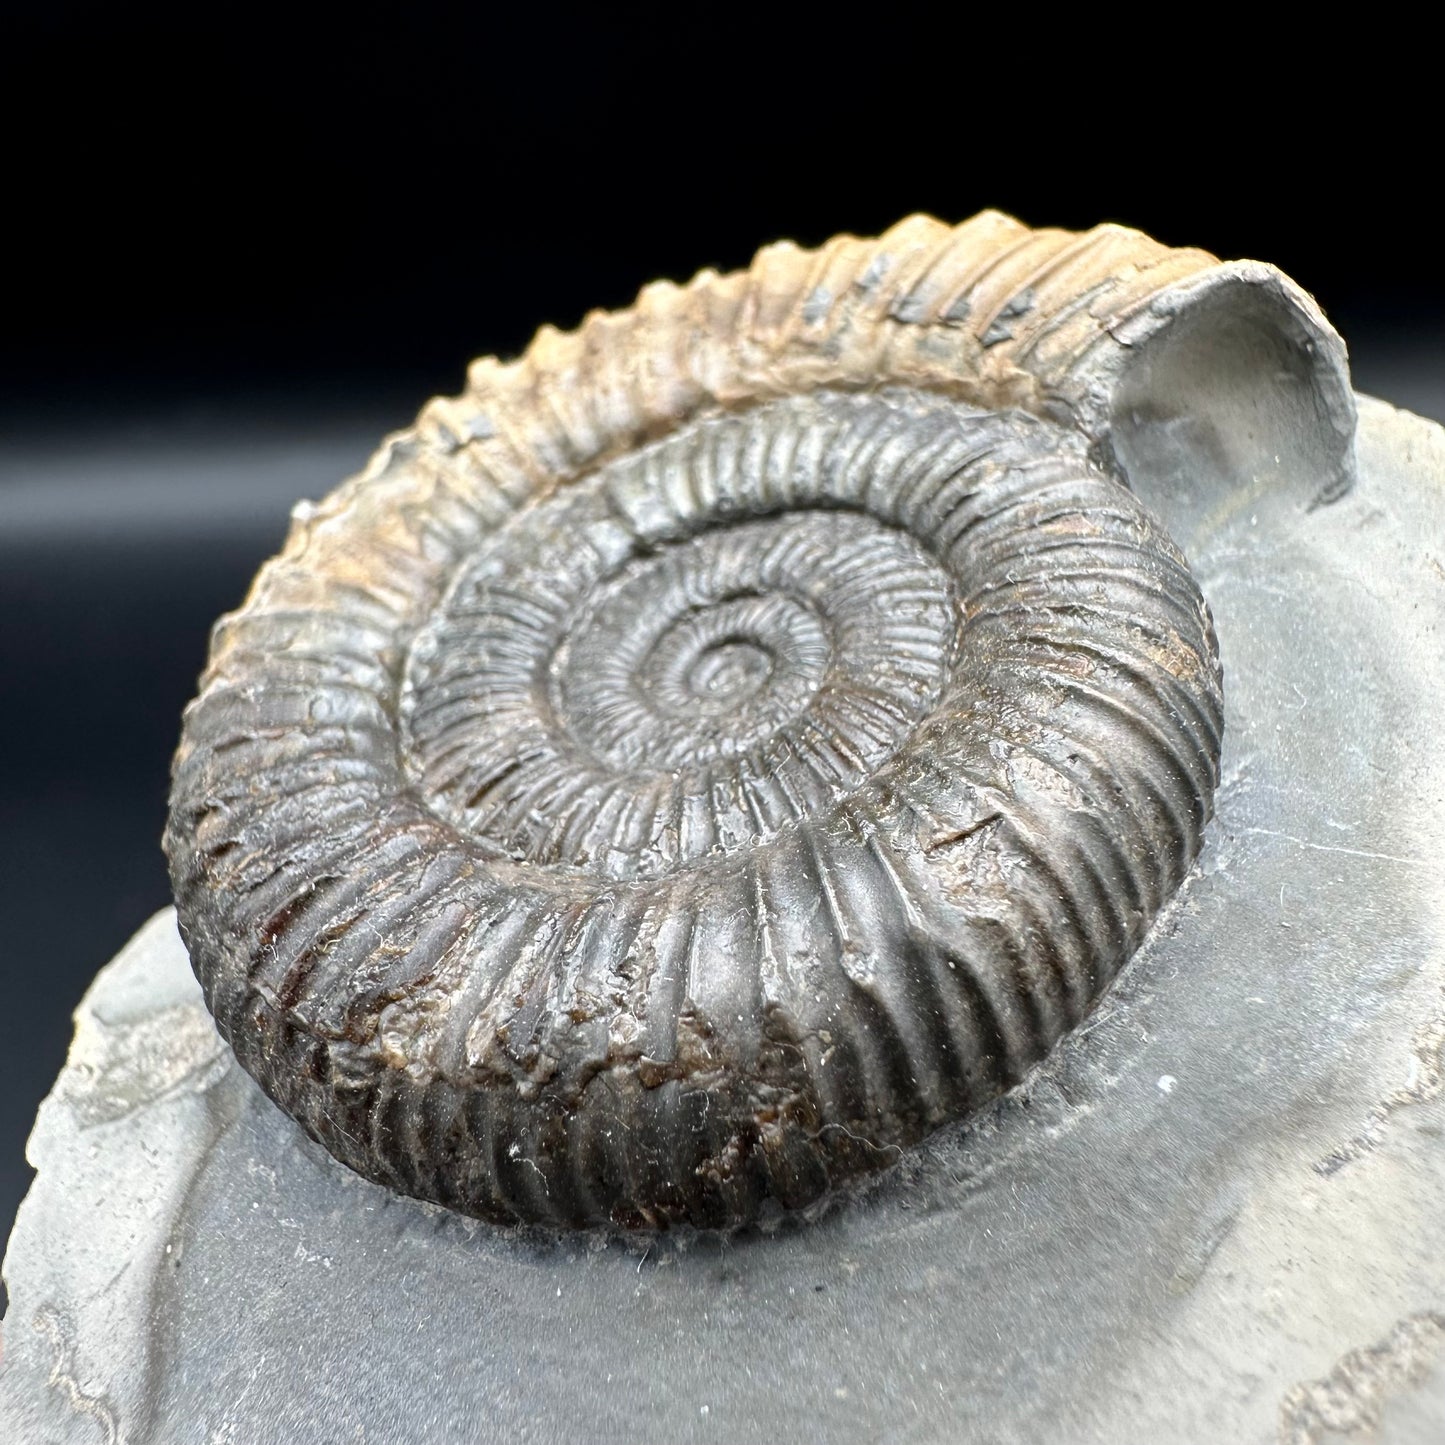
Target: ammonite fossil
x: 742, y: 736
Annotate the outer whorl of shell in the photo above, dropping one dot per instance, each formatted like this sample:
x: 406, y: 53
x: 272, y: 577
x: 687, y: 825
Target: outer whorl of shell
x: 733, y: 740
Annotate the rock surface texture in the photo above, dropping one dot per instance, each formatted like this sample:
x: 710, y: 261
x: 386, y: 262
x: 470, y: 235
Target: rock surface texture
x: 741, y: 736
x: 1211, y: 1213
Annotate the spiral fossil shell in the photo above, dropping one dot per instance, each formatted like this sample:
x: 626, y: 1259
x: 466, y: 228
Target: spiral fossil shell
x: 735, y: 739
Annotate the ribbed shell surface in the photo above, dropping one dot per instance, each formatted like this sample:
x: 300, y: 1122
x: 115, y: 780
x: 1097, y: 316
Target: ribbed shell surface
x: 642, y: 799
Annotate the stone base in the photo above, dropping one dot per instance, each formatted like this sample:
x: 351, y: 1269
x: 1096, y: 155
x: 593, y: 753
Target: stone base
x: 1215, y: 1213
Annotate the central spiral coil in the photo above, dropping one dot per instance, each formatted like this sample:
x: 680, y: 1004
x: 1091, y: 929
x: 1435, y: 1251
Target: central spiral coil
x: 690, y: 650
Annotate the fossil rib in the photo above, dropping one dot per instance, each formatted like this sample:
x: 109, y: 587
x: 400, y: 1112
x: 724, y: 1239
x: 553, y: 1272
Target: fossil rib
x: 741, y: 736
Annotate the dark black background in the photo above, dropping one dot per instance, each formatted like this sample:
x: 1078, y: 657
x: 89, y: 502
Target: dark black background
x: 244, y: 242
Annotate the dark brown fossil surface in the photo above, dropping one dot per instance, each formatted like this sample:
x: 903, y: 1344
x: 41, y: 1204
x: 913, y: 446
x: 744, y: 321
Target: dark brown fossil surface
x: 741, y: 736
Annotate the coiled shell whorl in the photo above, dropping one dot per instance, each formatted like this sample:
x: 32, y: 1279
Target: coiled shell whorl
x: 741, y: 736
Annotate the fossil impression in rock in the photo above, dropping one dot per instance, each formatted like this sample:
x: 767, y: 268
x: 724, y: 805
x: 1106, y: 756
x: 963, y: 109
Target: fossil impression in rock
x: 743, y: 735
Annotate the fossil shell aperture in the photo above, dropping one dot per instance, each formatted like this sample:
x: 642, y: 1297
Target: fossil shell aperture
x: 739, y: 737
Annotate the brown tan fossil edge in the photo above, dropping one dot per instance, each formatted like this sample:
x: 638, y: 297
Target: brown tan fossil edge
x: 1105, y: 330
